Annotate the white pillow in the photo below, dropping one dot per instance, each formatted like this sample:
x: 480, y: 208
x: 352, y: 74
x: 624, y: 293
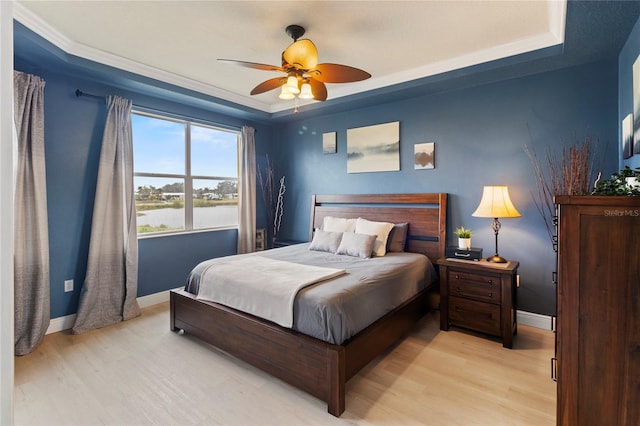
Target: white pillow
x: 325, y: 241
x: 338, y: 224
x: 358, y: 245
x: 380, y: 229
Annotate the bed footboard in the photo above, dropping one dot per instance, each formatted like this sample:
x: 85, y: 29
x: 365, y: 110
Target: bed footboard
x: 309, y: 364
x: 316, y: 367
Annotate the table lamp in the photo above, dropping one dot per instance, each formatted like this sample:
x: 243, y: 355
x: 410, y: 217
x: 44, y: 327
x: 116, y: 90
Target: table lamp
x: 496, y: 203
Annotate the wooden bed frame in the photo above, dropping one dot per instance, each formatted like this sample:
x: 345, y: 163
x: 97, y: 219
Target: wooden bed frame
x: 310, y: 364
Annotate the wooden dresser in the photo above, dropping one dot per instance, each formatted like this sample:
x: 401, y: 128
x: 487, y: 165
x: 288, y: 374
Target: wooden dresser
x: 597, y: 363
x: 480, y: 296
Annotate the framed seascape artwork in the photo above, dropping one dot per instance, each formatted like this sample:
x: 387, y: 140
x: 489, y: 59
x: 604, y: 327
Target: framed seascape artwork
x: 329, y: 144
x: 636, y: 106
x: 627, y: 136
x: 374, y: 148
x: 424, y: 156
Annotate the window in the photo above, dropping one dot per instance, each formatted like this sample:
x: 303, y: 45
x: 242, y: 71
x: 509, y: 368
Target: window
x: 185, y: 175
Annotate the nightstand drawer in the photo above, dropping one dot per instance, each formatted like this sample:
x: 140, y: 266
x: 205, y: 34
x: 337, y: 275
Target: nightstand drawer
x: 475, y: 286
x: 479, y: 316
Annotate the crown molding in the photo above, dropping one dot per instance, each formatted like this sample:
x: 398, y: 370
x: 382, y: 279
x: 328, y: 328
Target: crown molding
x: 554, y: 36
x: 46, y: 31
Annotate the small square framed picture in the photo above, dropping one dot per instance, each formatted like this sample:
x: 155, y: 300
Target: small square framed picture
x: 329, y: 143
x: 425, y: 156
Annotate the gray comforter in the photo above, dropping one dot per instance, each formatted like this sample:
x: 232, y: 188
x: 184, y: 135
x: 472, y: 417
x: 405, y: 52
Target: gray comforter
x: 337, y: 309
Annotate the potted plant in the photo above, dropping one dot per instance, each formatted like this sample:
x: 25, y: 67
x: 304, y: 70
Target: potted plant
x: 464, y: 238
x: 625, y: 182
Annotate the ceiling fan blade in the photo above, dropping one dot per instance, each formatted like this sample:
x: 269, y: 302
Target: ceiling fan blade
x: 302, y: 54
x: 336, y: 73
x: 318, y: 89
x: 256, y: 66
x: 267, y: 85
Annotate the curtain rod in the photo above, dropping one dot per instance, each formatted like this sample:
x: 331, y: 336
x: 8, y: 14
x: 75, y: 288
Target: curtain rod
x: 226, y: 126
x: 89, y: 95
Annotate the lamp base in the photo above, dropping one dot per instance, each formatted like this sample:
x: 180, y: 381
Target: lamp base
x: 496, y: 259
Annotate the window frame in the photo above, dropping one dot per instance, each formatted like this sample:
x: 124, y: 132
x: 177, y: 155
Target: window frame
x: 187, y: 177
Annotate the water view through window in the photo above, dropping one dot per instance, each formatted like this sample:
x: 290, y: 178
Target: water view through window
x: 185, y: 175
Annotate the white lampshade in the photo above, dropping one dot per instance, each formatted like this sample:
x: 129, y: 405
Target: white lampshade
x: 285, y: 94
x: 305, y: 91
x: 495, y: 202
x: 292, y: 84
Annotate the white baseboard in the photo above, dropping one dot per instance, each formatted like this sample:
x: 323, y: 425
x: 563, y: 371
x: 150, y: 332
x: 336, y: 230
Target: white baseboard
x: 534, y: 320
x: 61, y: 323
x: 153, y: 299
x: 66, y: 322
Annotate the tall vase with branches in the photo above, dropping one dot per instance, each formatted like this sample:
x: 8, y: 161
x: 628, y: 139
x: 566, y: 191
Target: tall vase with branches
x: 273, y: 197
x: 567, y: 171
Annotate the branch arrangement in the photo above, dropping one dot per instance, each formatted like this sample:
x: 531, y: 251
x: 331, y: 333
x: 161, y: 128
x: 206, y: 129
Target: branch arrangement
x: 272, y: 197
x: 279, y: 208
x: 567, y: 172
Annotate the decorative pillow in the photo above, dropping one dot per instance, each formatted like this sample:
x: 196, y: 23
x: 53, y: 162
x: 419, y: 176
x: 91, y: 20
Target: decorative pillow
x: 325, y: 241
x: 397, y: 238
x: 357, y: 245
x: 381, y: 229
x: 338, y: 224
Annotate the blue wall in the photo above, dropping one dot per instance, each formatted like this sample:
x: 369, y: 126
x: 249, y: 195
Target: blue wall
x: 628, y: 55
x: 479, y: 131
x: 479, y: 134
x: 73, y: 137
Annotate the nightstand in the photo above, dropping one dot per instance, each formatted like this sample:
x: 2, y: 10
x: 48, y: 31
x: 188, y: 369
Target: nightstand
x: 285, y: 243
x: 479, y: 296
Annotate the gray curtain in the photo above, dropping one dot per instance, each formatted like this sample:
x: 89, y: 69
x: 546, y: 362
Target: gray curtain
x: 31, y: 240
x: 247, y: 192
x: 110, y: 287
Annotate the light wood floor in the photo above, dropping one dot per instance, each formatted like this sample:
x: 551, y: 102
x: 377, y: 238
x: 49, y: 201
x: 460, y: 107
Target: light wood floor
x: 139, y: 372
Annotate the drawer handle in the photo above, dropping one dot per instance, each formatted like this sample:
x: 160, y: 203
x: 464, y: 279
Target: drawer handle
x: 458, y: 289
x: 490, y: 281
x: 457, y: 277
x: 490, y: 294
x: 554, y: 369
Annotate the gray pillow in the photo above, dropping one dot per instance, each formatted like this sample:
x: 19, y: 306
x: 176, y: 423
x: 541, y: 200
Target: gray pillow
x: 357, y: 245
x: 325, y: 241
x: 398, y: 238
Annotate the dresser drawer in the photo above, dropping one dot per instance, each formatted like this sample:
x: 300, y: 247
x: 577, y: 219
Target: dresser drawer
x: 479, y: 316
x: 475, y: 286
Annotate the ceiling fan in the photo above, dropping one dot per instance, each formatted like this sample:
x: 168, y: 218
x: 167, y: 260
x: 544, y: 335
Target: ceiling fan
x: 305, y: 77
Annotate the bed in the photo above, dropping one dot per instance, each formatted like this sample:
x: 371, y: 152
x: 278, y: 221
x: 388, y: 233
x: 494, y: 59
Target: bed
x: 309, y: 363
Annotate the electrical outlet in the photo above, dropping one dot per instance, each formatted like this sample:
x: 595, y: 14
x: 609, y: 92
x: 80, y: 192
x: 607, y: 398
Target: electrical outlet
x: 68, y: 285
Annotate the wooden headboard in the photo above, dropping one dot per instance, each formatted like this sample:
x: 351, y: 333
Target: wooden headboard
x: 425, y: 213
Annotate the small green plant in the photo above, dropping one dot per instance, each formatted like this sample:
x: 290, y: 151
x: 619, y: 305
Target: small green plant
x: 463, y: 233
x: 617, y: 184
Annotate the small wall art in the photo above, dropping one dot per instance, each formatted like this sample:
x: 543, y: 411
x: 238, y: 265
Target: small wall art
x: 424, y: 156
x: 329, y: 143
x: 627, y: 136
x: 374, y: 148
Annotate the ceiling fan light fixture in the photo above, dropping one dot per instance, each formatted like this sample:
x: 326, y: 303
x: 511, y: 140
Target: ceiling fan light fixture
x: 285, y: 94
x: 305, y: 77
x: 305, y: 91
x: 292, y: 84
